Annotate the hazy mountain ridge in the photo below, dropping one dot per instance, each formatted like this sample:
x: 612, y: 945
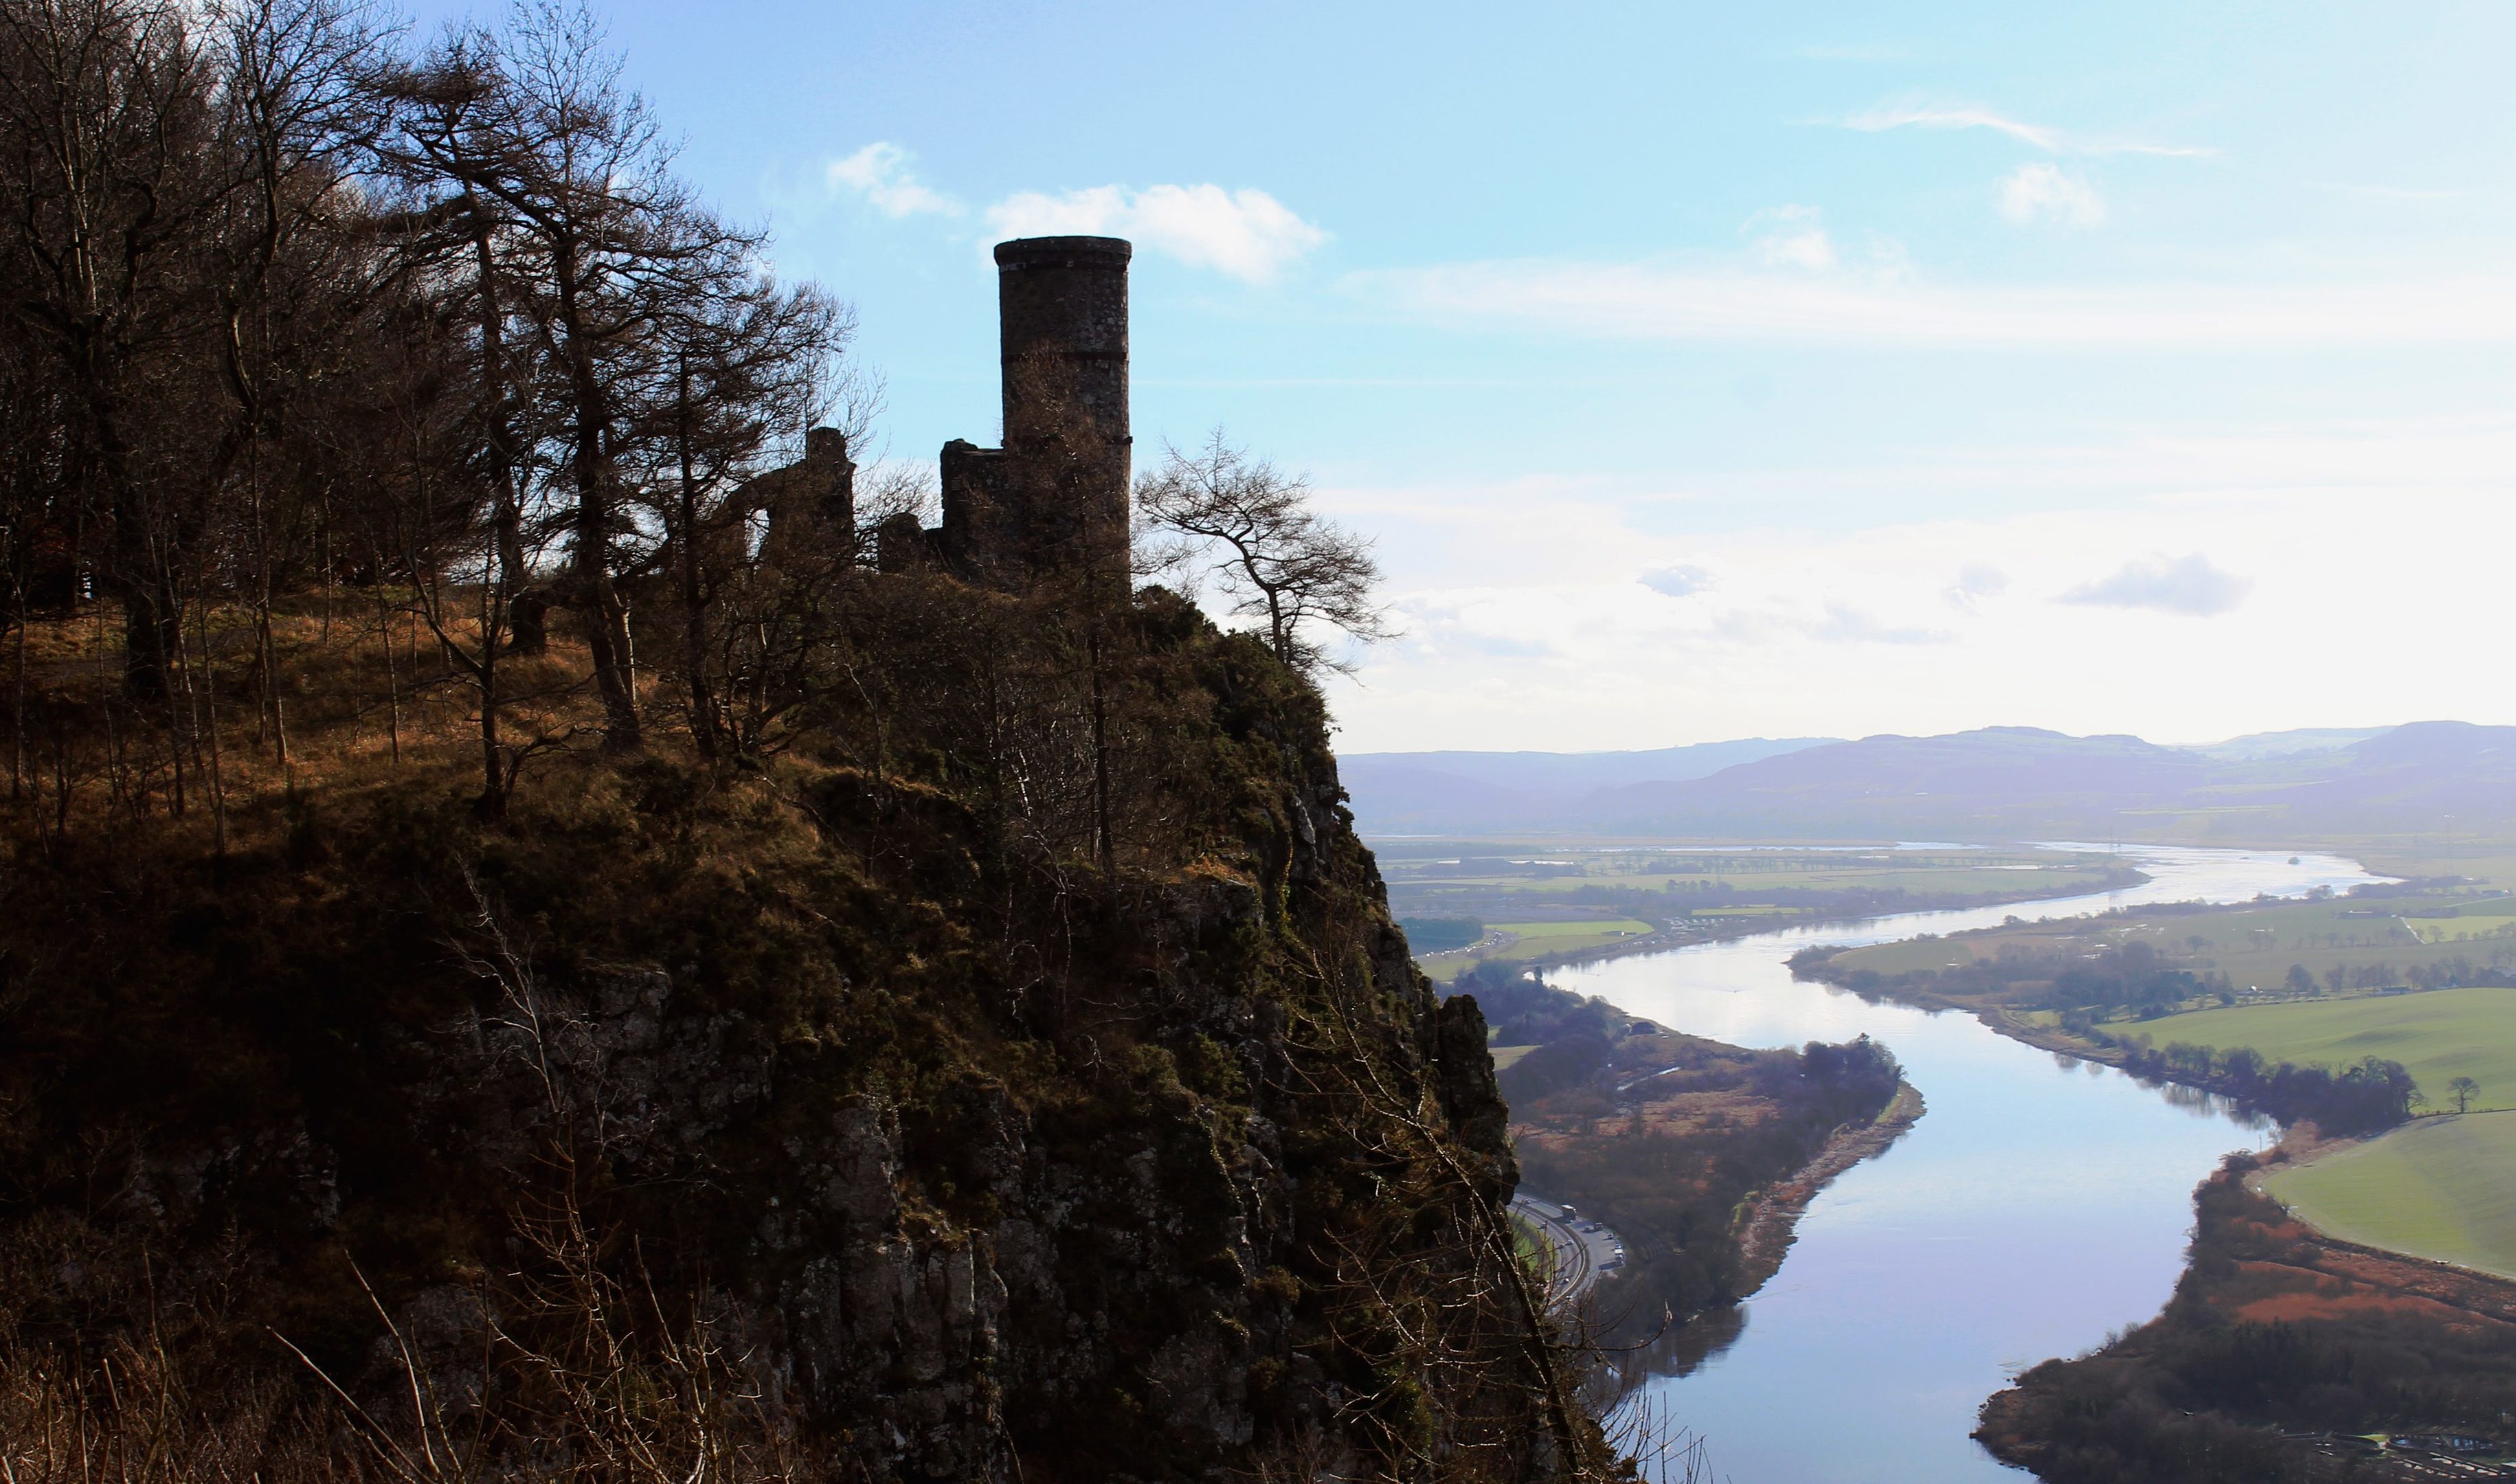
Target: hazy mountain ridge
x: 2254, y: 746
x: 2010, y: 783
x: 1431, y: 791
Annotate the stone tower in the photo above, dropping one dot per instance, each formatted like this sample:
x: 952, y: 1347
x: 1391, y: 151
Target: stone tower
x: 1054, y: 499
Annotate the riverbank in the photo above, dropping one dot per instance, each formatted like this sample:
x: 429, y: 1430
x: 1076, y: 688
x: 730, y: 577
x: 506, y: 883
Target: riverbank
x: 2012, y: 995
x: 1773, y: 1217
x: 1689, y: 1149
x: 1668, y: 935
x: 2034, y: 1207
x: 2284, y: 1354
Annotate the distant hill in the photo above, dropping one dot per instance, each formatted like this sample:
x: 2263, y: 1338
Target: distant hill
x: 2003, y: 781
x: 1482, y: 792
x: 2256, y: 746
x: 1997, y: 782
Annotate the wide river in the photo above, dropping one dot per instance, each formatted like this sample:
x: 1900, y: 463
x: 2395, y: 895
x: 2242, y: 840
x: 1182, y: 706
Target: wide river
x: 2038, y: 1206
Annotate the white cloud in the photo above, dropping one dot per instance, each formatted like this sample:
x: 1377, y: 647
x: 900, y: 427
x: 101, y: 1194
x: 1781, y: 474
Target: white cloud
x: 1976, y: 580
x: 1912, y: 113
x: 1679, y: 581
x: 1666, y: 300
x: 1247, y: 234
x: 1791, y: 237
x: 1845, y: 624
x: 879, y: 172
x: 1520, y: 637
x: 2043, y: 191
x: 2188, y: 585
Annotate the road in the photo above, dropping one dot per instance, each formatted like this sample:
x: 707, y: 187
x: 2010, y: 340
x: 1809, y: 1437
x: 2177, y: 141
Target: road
x: 1585, y: 1251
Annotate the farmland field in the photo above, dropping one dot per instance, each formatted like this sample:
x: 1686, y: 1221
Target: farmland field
x: 2255, y: 945
x: 1568, y: 937
x: 1557, y: 898
x: 2440, y: 1035
x: 2438, y: 1188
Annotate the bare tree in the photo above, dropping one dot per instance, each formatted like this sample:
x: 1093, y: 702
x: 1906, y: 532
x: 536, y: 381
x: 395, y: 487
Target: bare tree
x: 745, y: 357
x: 1252, y: 527
x: 105, y: 117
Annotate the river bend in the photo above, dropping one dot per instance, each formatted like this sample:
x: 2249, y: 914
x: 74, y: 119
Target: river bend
x: 2039, y: 1204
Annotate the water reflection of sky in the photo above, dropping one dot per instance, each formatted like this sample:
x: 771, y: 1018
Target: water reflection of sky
x: 2040, y: 1203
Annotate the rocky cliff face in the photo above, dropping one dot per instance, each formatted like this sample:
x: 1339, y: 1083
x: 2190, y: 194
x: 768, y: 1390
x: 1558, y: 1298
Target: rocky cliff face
x: 972, y: 1161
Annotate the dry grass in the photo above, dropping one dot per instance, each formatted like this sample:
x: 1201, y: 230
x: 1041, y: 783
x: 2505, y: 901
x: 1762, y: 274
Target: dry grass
x: 360, y: 698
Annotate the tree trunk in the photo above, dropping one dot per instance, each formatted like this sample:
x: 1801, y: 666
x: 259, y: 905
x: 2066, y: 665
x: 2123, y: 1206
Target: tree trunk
x: 524, y: 612
x: 704, y: 732
x: 606, y: 614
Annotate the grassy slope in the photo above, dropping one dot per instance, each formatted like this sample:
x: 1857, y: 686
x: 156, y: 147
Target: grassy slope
x: 2437, y: 1188
x: 2439, y: 1035
x: 303, y: 1018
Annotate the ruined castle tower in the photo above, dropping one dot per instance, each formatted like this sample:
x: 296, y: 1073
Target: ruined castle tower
x: 811, y: 505
x: 1054, y: 499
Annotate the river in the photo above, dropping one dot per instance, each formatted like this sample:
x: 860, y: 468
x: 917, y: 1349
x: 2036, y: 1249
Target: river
x: 2039, y: 1204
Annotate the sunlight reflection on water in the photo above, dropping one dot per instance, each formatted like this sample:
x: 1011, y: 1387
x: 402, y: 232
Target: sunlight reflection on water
x: 2041, y: 1201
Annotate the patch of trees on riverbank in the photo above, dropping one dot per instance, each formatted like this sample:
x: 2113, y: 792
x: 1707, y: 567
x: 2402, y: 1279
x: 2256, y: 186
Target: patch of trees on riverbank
x: 1667, y: 1138
x: 1428, y: 894
x: 2135, y: 979
x: 2366, y: 1097
x: 2132, y: 978
x: 2278, y: 1348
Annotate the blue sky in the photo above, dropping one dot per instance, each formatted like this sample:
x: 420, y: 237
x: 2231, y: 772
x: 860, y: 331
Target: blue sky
x: 1711, y: 371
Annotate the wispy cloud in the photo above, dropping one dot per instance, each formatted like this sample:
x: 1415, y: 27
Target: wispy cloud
x: 1679, y: 301
x: 1914, y: 113
x: 879, y: 172
x: 1976, y: 581
x: 1844, y: 624
x: 1683, y: 580
x: 1246, y: 234
x: 1791, y: 237
x: 2186, y: 585
x: 2042, y: 191
x: 1761, y: 654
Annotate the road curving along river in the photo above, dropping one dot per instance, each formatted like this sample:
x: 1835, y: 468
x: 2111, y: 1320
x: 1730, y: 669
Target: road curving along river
x: 2040, y: 1203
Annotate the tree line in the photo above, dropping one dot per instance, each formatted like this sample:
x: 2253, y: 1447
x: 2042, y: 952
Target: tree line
x: 2367, y: 1096
x: 432, y: 329
x: 296, y: 304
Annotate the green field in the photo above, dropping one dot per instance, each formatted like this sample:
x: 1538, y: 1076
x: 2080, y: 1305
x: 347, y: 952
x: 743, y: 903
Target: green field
x: 2254, y: 946
x: 2438, y: 1188
x: 1426, y: 872
x: 1566, y: 897
x: 1533, y: 940
x: 1568, y: 937
x: 2440, y: 1035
